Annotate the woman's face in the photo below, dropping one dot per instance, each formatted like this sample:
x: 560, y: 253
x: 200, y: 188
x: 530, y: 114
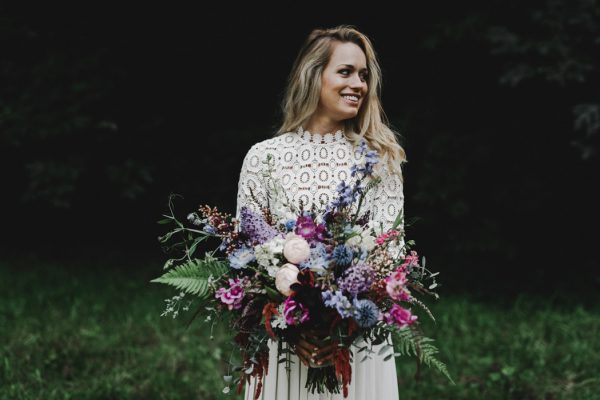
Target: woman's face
x: 344, y: 82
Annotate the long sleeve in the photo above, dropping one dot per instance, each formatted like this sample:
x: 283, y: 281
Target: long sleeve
x: 251, y: 182
x: 388, y: 202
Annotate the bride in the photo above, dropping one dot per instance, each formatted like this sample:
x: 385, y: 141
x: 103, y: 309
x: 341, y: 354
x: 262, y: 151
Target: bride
x: 330, y: 103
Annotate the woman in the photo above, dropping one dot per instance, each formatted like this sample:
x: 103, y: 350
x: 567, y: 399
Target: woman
x: 331, y: 102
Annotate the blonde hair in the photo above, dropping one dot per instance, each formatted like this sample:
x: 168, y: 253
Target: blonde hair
x: 303, y: 89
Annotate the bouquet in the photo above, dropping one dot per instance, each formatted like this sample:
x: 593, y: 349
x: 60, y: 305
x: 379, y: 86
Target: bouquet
x: 282, y: 275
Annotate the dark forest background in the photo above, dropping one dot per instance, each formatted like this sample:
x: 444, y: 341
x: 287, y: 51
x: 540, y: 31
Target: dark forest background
x: 107, y: 110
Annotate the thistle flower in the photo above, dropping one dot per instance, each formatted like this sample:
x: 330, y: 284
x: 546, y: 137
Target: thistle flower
x: 342, y: 255
x: 366, y: 312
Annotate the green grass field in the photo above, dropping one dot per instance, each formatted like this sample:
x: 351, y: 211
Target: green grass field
x: 94, y: 331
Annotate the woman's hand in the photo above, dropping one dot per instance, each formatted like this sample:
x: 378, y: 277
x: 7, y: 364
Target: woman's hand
x: 308, y: 350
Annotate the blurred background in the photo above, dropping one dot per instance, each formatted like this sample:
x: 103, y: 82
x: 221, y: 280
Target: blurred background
x: 105, y: 112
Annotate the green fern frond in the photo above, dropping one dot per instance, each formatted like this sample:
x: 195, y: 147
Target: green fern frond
x: 427, y: 356
x: 410, y: 342
x: 193, y: 276
x: 423, y: 306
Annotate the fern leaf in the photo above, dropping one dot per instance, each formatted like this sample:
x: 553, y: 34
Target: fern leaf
x: 193, y: 276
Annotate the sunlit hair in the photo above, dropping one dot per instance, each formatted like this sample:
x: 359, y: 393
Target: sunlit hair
x: 303, y: 89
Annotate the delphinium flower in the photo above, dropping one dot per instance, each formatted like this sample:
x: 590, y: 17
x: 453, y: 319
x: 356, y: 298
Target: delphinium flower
x: 255, y: 227
x: 342, y: 255
x: 241, y: 257
x: 399, y: 316
x: 345, y: 195
x: 357, y: 279
x: 366, y: 313
x: 338, y: 301
x: 295, y: 313
x: 233, y: 295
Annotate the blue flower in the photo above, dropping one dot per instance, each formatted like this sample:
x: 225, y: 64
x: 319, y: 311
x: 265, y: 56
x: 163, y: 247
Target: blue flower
x: 366, y: 313
x: 241, y: 257
x: 318, y: 261
x: 209, y: 229
x: 342, y: 255
x: 290, y: 225
x: 338, y: 301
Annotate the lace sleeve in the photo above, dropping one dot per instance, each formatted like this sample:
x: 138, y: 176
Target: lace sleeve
x: 250, y: 184
x: 388, y: 202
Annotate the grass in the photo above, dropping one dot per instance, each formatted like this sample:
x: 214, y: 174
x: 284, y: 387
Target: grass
x: 94, y: 331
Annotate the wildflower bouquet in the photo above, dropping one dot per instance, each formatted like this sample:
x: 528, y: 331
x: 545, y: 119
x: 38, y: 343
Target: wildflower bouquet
x: 282, y: 275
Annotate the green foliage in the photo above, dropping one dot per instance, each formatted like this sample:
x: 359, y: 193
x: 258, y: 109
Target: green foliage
x: 411, y: 342
x: 194, y: 276
x: 91, y: 331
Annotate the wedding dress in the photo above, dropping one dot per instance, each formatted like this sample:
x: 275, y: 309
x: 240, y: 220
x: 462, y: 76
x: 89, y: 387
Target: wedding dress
x: 309, y: 166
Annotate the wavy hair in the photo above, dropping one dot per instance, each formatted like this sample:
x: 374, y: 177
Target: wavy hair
x: 303, y: 89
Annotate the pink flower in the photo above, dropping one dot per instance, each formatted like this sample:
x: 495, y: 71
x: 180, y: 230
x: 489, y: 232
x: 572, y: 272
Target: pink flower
x: 399, y: 316
x: 233, y: 295
x: 294, y: 312
x: 285, y: 277
x: 410, y: 259
x: 396, y: 285
x: 381, y: 239
x: 296, y: 249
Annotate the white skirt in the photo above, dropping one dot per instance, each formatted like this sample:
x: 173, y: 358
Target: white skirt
x: 372, y: 378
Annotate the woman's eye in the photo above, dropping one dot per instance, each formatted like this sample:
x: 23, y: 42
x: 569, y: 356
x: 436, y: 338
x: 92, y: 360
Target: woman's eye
x: 363, y: 76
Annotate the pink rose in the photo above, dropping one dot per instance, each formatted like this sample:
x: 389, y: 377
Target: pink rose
x: 296, y: 249
x: 285, y: 277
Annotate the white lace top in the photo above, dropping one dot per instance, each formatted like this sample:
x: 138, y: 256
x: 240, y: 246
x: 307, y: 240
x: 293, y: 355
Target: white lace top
x: 309, y: 167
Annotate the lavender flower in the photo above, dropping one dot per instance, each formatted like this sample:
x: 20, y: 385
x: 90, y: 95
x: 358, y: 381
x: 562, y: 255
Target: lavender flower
x: 338, y: 301
x: 255, y: 226
x: 366, y: 312
x: 342, y: 255
x: 357, y: 279
x: 241, y: 257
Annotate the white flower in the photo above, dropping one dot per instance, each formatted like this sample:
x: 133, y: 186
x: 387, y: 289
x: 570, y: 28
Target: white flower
x: 296, y: 248
x: 267, y: 254
x: 367, y: 242
x: 285, y: 277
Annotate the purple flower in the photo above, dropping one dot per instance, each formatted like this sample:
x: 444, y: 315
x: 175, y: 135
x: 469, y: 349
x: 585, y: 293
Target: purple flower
x: 357, y: 279
x: 306, y: 227
x: 338, y: 301
x: 295, y: 313
x: 255, y: 227
x: 233, y: 295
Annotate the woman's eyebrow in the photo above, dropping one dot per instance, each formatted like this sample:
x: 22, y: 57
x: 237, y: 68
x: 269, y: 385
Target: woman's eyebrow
x: 352, y: 66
